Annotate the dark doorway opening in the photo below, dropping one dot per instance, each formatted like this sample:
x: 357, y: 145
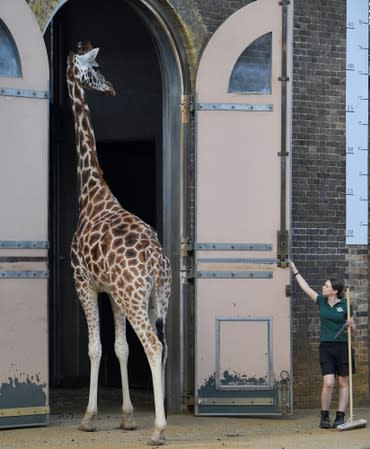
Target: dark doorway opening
x: 128, y: 131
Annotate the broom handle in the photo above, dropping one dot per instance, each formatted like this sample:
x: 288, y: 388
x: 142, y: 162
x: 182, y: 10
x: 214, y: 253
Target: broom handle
x: 349, y: 355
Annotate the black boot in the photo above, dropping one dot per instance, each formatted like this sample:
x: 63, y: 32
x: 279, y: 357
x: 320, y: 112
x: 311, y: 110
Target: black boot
x: 339, y: 419
x: 325, y: 421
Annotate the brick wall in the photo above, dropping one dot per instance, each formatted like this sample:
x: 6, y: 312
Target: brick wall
x: 215, y: 12
x: 318, y: 190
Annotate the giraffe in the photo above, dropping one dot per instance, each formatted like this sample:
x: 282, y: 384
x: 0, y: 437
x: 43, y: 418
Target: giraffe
x: 114, y: 251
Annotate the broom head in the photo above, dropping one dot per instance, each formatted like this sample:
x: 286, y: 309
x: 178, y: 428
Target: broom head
x: 353, y: 423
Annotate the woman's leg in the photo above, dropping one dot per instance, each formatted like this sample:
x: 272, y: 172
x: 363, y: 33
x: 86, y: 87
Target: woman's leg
x: 342, y: 393
x: 327, y: 391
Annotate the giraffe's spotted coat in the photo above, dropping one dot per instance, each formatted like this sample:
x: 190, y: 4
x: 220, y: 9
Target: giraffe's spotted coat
x: 114, y: 251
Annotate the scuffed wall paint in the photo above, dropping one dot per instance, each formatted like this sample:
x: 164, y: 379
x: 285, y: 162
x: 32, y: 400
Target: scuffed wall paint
x: 23, y: 390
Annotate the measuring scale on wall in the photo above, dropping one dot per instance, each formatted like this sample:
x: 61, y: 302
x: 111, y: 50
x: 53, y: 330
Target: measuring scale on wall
x: 357, y: 73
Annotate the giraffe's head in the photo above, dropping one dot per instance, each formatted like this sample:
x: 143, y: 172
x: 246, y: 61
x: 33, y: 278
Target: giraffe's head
x: 85, y: 69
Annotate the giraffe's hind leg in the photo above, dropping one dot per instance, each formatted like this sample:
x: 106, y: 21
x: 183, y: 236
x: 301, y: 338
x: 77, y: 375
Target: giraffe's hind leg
x: 88, y: 299
x: 153, y: 349
x: 122, y: 351
x: 157, y: 318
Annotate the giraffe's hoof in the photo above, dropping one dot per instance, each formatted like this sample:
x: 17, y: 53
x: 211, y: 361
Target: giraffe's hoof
x: 129, y: 424
x: 87, y: 427
x: 160, y: 442
x: 157, y: 440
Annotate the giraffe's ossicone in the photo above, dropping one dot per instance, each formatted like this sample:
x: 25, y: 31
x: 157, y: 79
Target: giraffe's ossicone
x: 114, y: 251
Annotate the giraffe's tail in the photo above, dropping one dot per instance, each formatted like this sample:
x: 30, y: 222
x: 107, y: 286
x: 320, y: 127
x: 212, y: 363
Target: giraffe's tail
x: 159, y: 325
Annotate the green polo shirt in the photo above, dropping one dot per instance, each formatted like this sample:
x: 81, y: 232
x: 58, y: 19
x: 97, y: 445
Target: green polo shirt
x: 332, y: 319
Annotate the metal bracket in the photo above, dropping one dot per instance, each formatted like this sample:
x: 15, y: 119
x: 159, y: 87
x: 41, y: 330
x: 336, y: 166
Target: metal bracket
x: 235, y: 401
x: 26, y: 93
x: 24, y: 244
x: 24, y: 411
x: 233, y: 107
x: 192, y: 272
x: 232, y: 247
x: 24, y: 274
x: 233, y: 274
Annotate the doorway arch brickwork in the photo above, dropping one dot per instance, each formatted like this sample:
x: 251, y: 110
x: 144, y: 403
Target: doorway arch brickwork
x: 185, y: 17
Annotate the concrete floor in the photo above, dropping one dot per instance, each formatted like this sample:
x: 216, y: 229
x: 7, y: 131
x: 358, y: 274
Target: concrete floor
x: 299, y: 431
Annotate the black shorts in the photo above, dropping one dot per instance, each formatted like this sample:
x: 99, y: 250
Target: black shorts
x: 334, y: 358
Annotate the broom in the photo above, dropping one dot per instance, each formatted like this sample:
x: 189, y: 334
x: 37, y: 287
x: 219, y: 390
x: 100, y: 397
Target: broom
x: 352, y: 423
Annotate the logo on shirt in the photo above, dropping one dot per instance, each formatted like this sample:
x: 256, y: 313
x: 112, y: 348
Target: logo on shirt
x: 340, y: 309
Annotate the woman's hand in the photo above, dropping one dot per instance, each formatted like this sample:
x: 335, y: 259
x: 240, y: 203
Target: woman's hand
x: 351, y: 323
x: 292, y: 266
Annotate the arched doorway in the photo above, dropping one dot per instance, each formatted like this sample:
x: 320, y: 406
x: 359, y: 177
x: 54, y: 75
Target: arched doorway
x: 141, y: 163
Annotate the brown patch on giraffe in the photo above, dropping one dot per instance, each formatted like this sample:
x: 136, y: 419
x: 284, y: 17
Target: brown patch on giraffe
x: 98, y: 208
x: 91, y: 144
x: 111, y: 258
x: 105, y: 243
x: 93, y: 238
x: 135, y: 273
x: 92, y: 188
x: 129, y: 289
x: 131, y: 238
x: 95, y: 269
x: 78, y: 107
x: 120, y: 229
x: 142, y: 256
x: 141, y: 267
x: 95, y: 251
x: 120, y: 283
x: 85, y: 124
x: 99, y: 197
x: 85, y: 175
x: 117, y: 242
x: 130, y: 254
x: 127, y: 276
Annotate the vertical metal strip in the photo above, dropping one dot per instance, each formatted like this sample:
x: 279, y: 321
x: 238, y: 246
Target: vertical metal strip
x: 283, y: 233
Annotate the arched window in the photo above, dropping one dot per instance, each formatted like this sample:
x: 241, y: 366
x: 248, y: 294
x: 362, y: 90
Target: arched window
x: 252, y: 71
x: 10, y: 65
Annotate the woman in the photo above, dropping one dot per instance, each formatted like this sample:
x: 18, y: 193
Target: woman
x: 333, y: 344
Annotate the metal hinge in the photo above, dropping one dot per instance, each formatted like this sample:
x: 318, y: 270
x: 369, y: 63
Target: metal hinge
x: 186, y: 268
x: 187, y: 107
x: 283, y: 248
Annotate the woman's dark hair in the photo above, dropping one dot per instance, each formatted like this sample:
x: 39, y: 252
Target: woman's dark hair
x: 338, y: 286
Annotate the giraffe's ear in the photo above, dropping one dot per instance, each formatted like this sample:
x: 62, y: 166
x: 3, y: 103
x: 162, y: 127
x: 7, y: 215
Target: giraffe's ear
x: 90, y: 56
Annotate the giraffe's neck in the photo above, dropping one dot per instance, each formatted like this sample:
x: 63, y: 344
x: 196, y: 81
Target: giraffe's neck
x: 88, y: 170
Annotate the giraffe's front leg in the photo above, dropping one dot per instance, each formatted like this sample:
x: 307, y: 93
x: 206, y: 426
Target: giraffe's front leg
x: 90, y: 306
x: 122, y: 352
